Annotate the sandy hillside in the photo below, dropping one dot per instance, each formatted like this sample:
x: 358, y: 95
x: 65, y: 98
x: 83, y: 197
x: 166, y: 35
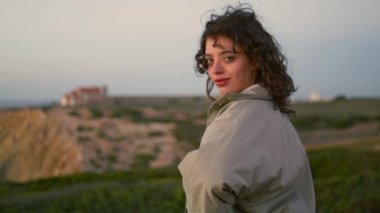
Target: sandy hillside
x: 35, y: 145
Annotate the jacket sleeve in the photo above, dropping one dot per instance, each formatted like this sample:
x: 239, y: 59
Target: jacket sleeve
x: 214, y: 184
x: 221, y: 173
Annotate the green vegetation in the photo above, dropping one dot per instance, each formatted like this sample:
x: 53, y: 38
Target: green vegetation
x: 82, y: 128
x: 187, y: 104
x: 142, y: 161
x: 189, y: 132
x: 96, y: 112
x: 84, y: 139
x: 74, y: 113
x: 136, y: 116
x: 338, y: 114
x: 110, y: 137
x: 121, y: 112
x: 112, y: 158
x: 155, y: 134
x: 95, y: 163
x: 101, y: 134
x: 156, y: 149
x: 346, y: 180
x: 323, y: 122
x: 139, y: 191
x: 341, y: 108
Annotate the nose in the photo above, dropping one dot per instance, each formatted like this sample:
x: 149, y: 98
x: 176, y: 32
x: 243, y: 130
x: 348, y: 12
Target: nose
x: 217, y: 67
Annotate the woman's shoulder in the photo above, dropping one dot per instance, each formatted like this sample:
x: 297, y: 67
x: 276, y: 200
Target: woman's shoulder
x: 253, y: 99
x: 247, y: 110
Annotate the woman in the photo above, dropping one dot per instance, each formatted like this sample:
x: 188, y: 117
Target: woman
x: 250, y: 157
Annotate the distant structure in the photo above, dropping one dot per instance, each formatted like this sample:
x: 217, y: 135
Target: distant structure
x: 84, y: 95
x: 316, y: 97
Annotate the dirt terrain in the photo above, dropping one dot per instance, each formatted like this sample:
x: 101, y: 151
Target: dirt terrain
x: 34, y: 145
x: 134, y: 133
x: 112, y: 143
x: 331, y: 137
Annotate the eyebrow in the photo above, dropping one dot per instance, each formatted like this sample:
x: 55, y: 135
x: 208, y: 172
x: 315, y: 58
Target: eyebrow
x: 224, y: 52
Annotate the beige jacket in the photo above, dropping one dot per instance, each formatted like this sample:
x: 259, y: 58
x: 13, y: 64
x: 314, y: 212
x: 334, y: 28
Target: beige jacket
x: 250, y: 160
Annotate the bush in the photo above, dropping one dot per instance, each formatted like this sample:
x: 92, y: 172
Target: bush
x: 155, y: 134
x: 112, y: 158
x: 73, y: 113
x: 96, y: 113
x: 109, y: 137
x: 190, y: 132
x: 83, y: 139
x: 142, y: 161
x: 101, y: 134
x: 82, y: 128
x: 121, y: 112
x: 340, y: 98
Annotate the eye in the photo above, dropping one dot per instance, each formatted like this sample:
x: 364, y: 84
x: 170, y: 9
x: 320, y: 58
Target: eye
x: 209, y: 61
x: 229, y: 58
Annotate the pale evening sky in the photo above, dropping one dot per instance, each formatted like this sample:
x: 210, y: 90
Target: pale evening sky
x: 48, y: 47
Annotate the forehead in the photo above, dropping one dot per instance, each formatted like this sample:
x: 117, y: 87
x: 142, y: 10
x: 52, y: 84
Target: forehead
x: 221, y: 43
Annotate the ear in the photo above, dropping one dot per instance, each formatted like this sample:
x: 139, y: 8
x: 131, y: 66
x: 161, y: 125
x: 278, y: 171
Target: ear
x: 255, y: 66
x: 255, y: 69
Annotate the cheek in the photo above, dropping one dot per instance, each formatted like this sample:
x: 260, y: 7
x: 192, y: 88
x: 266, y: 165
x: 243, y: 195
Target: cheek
x: 211, y: 75
x: 243, y: 78
x: 243, y: 73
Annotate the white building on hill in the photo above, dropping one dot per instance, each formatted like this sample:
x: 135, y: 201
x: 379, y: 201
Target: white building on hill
x: 316, y: 97
x: 84, y: 95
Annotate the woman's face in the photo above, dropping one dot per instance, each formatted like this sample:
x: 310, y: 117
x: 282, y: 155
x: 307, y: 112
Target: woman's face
x: 230, y: 70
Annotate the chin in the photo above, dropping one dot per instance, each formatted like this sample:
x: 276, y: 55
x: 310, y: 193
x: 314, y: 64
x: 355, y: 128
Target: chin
x: 223, y: 92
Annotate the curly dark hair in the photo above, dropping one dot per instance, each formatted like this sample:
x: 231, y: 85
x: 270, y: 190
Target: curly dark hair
x: 240, y: 24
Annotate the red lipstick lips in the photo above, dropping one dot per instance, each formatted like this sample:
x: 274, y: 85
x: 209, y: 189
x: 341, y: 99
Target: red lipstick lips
x: 220, y: 82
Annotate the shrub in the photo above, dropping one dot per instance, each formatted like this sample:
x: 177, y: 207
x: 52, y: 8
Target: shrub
x: 102, y: 134
x: 155, y: 133
x: 120, y: 112
x: 188, y: 131
x: 83, y: 139
x: 82, y: 128
x: 111, y: 138
x: 157, y: 149
x: 95, y: 163
x: 96, y: 113
x: 142, y: 161
x: 73, y: 113
x: 112, y: 158
x: 340, y: 98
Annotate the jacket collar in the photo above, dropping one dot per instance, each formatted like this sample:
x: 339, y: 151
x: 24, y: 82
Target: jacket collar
x: 255, y: 91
